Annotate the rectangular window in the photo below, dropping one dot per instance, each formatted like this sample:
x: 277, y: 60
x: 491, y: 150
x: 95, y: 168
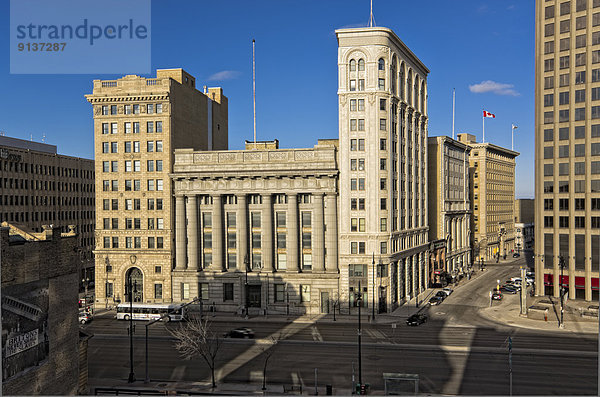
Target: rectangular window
x: 352, y: 105
x: 580, y: 41
x: 580, y: 150
x: 305, y: 293
x: 565, y: 44
x: 549, y: 100
x: 150, y: 127
x: 361, y: 105
x: 548, y: 135
x: 128, y: 128
x: 563, y: 169
x: 382, y: 125
x: 579, y: 96
x: 549, y: 65
x: 580, y: 77
x: 549, y: 30
x: 383, y: 225
x: 563, y: 115
x: 549, y: 47
x: 352, y: 85
x: 548, y: 152
x: 361, y: 84
x: 565, y: 26
x: 227, y: 292
x: 548, y: 82
x: 580, y: 59
x: 548, y: 117
x: 579, y: 114
x: 150, y: 146
x: 580, y: 23
x: 563, y: 80
x: 579, y: 132
x: 361, y: 145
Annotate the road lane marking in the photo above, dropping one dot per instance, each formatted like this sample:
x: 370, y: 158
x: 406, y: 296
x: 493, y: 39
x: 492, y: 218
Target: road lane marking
x: 377, y: 335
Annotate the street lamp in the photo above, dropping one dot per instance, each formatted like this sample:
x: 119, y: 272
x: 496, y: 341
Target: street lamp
x: 359, y: 303
x: 373, y: 291
x: 561, y: 264
x: 246, y: 264
x: 132, y: 290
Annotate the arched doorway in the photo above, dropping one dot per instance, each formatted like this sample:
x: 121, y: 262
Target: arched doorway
x: 137, y: 282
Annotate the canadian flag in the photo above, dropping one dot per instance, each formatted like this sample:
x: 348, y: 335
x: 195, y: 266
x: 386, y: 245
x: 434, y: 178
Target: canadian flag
x: 488, y: 114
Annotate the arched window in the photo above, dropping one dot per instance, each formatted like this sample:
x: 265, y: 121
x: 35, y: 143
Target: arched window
x: 361, y: 65
x: 352, y: 65
x: 416, y: 100
x: 381, y: 64
x: 409, y: 87
x: 402, y: 81
x: 422, y: 97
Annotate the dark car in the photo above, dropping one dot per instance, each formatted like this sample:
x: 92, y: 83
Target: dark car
x: 509, y: 289
x: 516, y: 255
x: 497, y: 296
x: 442, y: 294
x: 243, y: 332
x: 416, y: 319
x: 436, y: 300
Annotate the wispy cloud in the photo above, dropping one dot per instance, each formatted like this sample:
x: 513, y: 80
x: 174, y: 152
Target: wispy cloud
x: 482, y: 8
x: 224, y: 75
x: 511, y: 7
x: 494, y: 88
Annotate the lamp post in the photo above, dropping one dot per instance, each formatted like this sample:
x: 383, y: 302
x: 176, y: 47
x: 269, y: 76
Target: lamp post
x: 373, y: 291
x: 246, y: 264
x: 132, y: 289
x: 359, y: 303
x: 561, y: 264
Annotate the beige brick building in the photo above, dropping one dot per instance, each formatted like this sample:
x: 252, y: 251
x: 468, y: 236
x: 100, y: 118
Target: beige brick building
x: 40, y: 187
x: 382, y: 90
x: 567, y: 146
x: 261, y: 228
x: 492, y: 177
x: 449, y: 206
x: 138, y: 123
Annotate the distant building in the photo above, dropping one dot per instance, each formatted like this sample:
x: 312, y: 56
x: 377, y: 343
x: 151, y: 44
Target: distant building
x: 449, y: 207
x: 138, y: 123
x: 40, y: 326
x: 524, y: 229
x: 524, y: 210
x: 492, y: 174
x: 40, y: 187
x: 567, y: 145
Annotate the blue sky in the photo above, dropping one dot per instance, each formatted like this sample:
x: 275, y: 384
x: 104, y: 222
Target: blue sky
x: 483, y: 49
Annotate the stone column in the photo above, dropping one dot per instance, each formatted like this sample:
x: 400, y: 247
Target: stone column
x: 331, y: 237
x: 242, y: 231
x: 192, y: 232
x: 267, y: 227
x: 293, y: 264
x: 318, y: 228
x: 180, y: 235
x: 217, y: 229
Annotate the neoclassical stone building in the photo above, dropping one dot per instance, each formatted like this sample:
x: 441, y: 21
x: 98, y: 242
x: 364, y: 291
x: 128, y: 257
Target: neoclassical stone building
x: 257, y: 228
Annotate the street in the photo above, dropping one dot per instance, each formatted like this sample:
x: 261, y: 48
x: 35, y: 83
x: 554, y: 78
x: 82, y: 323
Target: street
x: 455, y: 352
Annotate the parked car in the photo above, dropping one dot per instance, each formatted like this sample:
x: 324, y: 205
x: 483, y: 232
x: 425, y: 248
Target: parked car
x: 442, y: 295
x: 497, y: 296
x: 85, y: 317
x: 436, y: 300
x: 416, y: 319
x: 516, y: 255
x: 448, y: 291
x: 243, y: 332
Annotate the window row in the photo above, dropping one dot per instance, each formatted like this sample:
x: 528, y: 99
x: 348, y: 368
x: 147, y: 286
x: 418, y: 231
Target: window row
x: 564, y: 80
x: 133, y: 223
x: 39, y: 169
x: 132, y: 166
x: 132, y: 147
x: 150, y: 108
x: 564, y: 133
x: 564, y: 115
x: 132, y: 204
x: 132, y: 185
x: 578, y: 186
x: 563, y: 97
x: 563, y: 150
x: 578, y: 204
x: 134, y: 242
x: 579, y: 222
x: 132, y: 127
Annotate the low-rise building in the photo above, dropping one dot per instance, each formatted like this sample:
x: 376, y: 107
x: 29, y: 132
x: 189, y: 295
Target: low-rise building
x: 40, y: 187
x: 40, y: 326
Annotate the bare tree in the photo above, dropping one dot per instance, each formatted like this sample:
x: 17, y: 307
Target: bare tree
x: 268, y: 348
x: 194, y: 339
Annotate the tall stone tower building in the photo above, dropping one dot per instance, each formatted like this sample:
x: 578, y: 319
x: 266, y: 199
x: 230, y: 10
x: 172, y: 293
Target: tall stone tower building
x: 567, y: 146
x: 138, y: 123
x: 383, y: 167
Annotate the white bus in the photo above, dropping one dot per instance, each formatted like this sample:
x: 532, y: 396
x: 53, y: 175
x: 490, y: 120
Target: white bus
x: 149, y: 311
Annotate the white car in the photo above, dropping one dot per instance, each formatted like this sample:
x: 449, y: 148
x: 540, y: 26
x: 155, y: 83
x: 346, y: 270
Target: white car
x: 447, y: 291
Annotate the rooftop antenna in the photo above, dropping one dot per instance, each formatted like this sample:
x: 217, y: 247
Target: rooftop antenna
x: 31, y: 137
x: 254, y: 91
x: 44, y: 137
x: 371, y: 17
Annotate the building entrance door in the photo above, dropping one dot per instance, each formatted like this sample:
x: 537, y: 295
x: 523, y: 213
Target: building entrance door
x: 137, y: 283
x: 382, y: 299
x: 325, y: 302
x: 254, y: 295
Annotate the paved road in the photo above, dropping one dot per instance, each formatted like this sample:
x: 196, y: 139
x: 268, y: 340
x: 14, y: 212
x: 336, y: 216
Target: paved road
x: 456, y: 352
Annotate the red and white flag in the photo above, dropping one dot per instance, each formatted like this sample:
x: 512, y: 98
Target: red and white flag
x: 488, y: 114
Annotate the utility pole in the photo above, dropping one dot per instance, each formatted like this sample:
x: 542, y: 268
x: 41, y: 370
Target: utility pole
x: 359, y: 301
x: 132, y: 289
x: 373, y: 290
x: 510, y: 361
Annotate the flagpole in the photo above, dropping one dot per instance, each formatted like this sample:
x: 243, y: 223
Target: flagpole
x: 453, y: 109
x: 512, y: 138
x: 483, y: 127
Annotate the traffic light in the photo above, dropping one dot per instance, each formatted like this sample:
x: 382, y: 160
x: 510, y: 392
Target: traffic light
x: 362, y: 390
